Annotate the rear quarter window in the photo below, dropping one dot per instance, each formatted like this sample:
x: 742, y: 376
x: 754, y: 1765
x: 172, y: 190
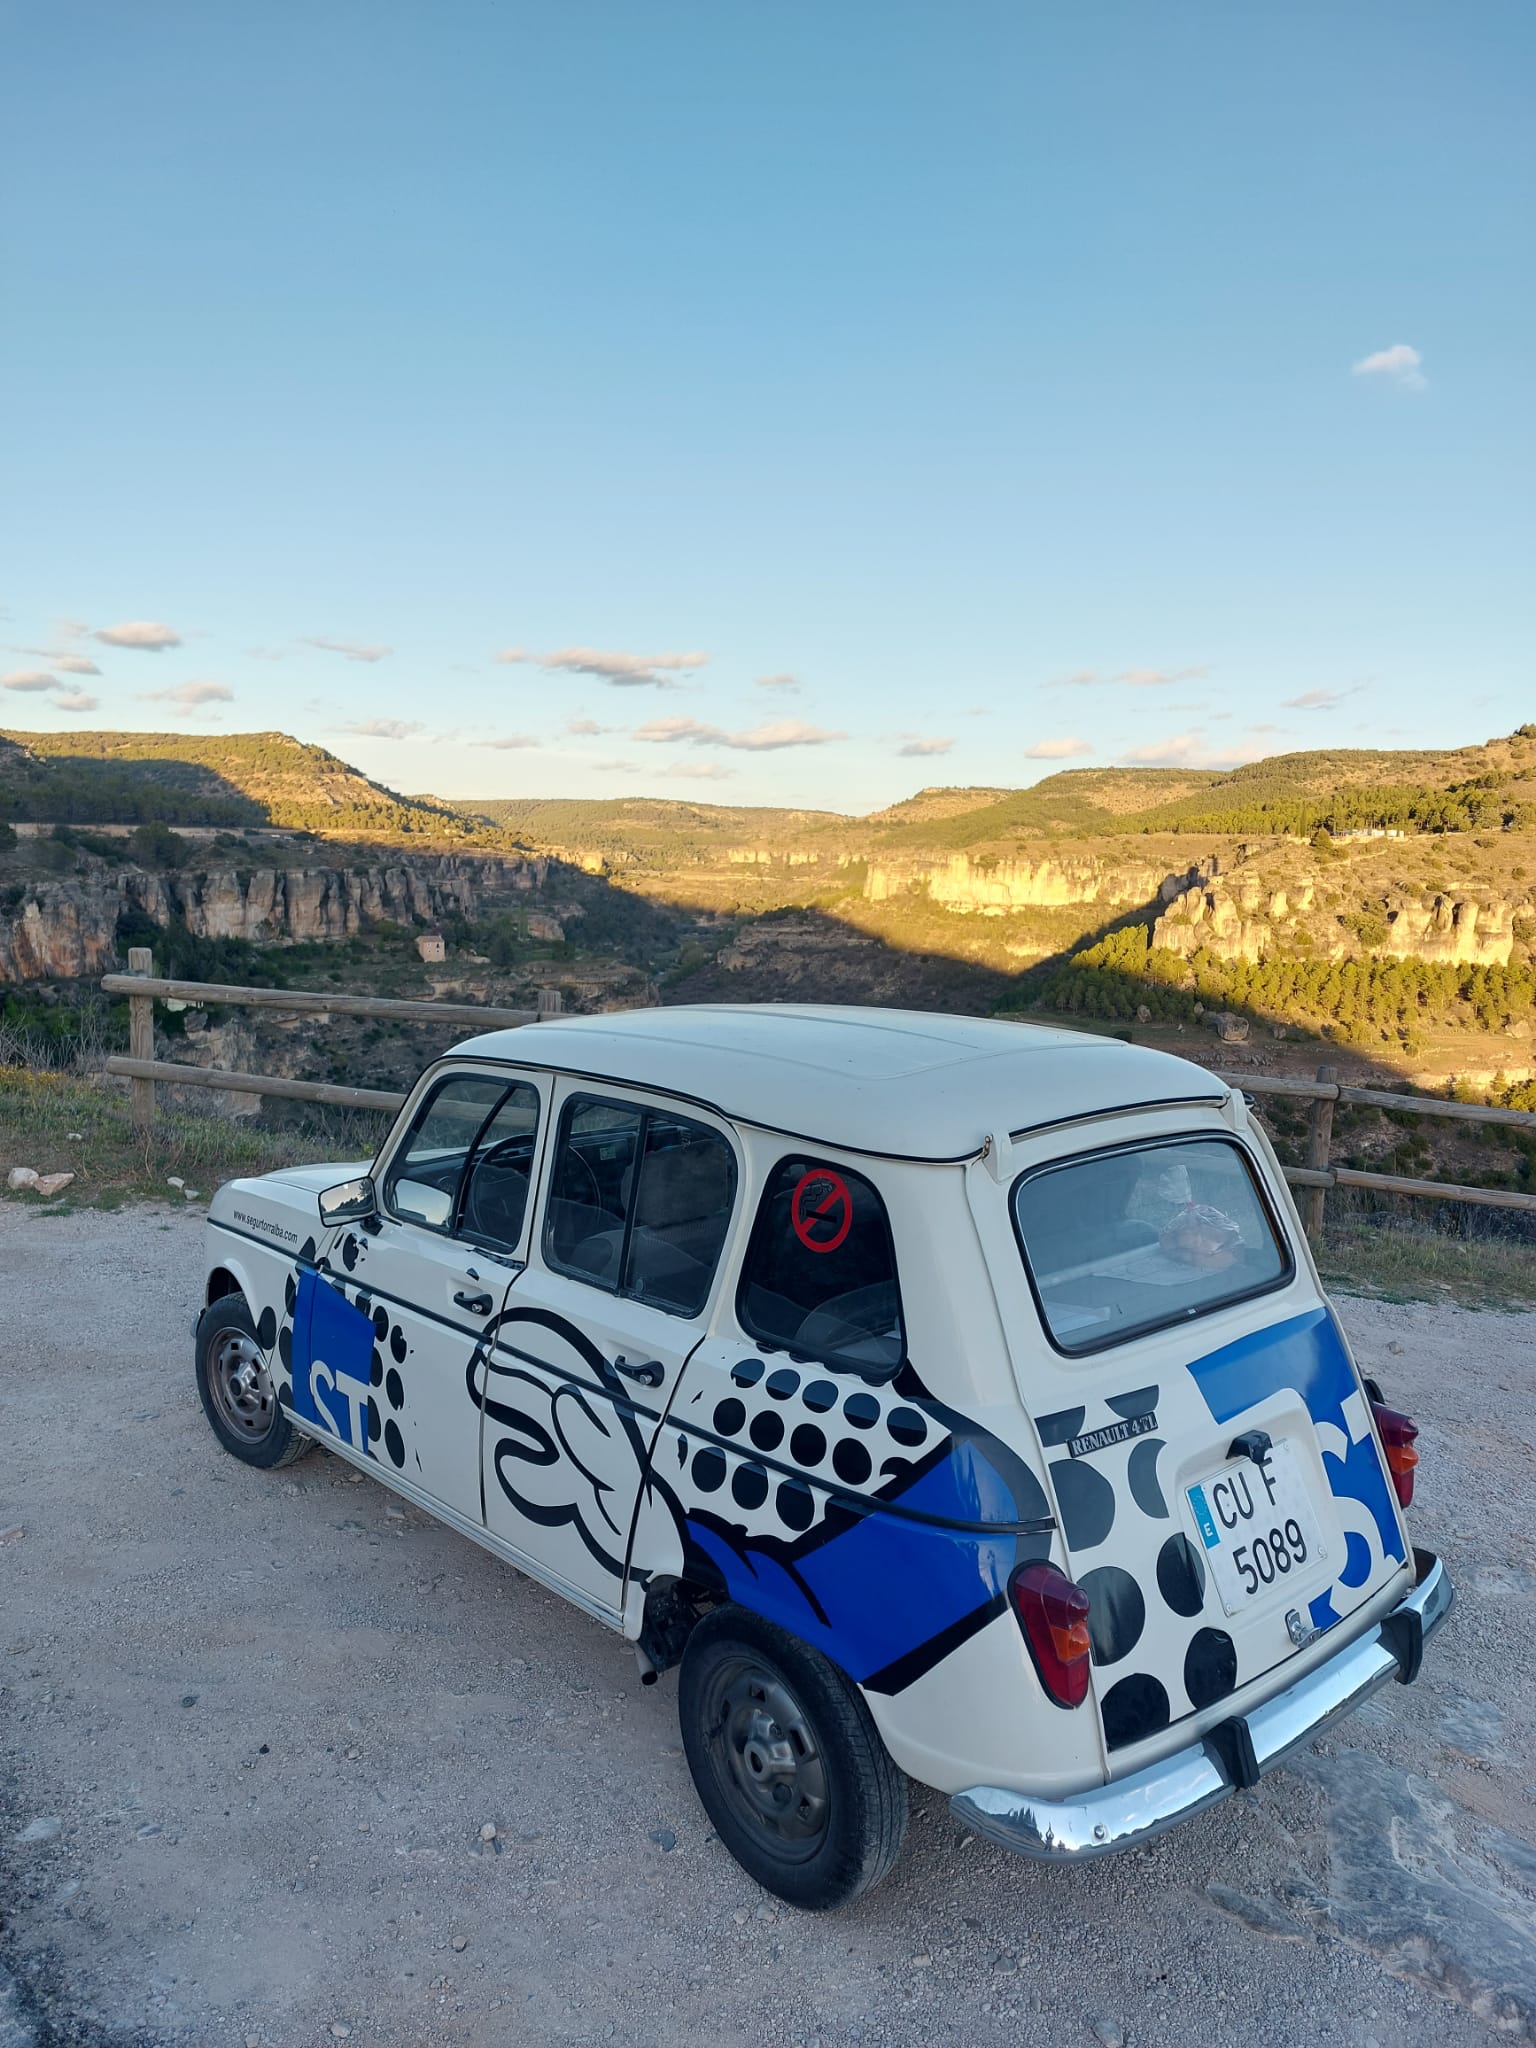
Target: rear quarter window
x: 1120, y: 1242
x: 819, y: 1279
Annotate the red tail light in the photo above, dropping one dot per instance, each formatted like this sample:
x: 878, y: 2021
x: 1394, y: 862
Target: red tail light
x: 1054, y: 1614
x: 1397, y: 1436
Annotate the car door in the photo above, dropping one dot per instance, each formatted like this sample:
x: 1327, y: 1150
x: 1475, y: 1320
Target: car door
x: 636, y: 1208
x: 433, y: 1273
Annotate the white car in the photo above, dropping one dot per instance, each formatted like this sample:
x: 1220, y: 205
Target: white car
x: 952, y: 1400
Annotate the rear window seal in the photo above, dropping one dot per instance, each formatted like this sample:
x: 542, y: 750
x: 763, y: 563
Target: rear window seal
x: 1184, y: 1316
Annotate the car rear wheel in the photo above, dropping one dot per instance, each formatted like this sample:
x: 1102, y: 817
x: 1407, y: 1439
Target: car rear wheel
x: 787, y: 1762
x: 238, y: 1393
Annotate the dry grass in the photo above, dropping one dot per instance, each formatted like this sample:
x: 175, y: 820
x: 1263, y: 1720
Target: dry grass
x: 1419, y: 1264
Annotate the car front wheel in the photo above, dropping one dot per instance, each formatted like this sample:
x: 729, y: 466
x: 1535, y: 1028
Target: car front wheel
x: 787, y: 1762
x: 238, y: 1393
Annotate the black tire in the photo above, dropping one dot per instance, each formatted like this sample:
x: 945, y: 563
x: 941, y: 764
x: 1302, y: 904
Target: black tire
x: 238, y: 1393
x: 787, y: 1762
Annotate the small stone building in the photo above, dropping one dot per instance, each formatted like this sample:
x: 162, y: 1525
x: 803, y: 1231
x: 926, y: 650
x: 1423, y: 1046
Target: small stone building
x: 430, y: 946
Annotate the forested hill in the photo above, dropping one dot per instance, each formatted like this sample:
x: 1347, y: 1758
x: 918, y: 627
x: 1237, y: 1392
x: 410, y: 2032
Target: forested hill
x: 233, y: 780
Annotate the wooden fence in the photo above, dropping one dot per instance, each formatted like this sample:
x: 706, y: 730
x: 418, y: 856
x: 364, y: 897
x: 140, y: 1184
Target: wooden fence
x: 1313, y: 1180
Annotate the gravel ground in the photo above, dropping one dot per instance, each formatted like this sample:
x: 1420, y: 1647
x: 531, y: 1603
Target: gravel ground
x: 254, y: 1728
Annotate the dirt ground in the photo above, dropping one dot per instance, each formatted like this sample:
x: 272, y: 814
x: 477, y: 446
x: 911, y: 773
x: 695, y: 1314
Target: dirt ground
x: 254, y: 1726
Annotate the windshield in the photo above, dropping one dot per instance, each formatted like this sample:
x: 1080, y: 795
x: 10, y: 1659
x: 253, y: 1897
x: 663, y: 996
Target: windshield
x: 1121, y: 1242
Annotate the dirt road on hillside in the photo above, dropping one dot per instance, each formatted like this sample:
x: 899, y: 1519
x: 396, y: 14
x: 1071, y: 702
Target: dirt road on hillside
x: 253, y: 1727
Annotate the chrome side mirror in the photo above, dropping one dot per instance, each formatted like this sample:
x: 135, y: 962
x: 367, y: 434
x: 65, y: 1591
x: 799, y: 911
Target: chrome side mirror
x: 353, y: 1201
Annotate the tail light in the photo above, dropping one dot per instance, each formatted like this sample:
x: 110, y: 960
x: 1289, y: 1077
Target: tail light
x: 1054, y: 1615
x: 1397, y: 1437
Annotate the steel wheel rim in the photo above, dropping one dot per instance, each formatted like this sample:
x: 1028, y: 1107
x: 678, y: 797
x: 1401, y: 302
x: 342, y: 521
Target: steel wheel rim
x: 767, y: 1758
x: 241, y: 1386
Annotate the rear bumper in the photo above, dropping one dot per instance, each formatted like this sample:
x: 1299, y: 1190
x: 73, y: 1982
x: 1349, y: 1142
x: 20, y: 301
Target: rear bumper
x: 1233, y: 1754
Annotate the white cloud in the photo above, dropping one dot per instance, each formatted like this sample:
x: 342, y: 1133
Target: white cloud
x: 625, y: 671
x: 349, y: 650
x: 1188, y: 750
x: 758, y: 739
x: 1131, y: 678
x: 917, y: 746
x: 71, y: 664
x: 1315, y: 700
x: 511, y: 742
x: 1067, y: 748
x: 189, y: 695
x: 29, y: 680
x: 1399, y: 364
x: 384, y: 728
x: 587, y: 728
x: 613, y: 767
x: 75, y: 700
x: 779, y: 682
x: 148, y: 635
x: 697, y: 771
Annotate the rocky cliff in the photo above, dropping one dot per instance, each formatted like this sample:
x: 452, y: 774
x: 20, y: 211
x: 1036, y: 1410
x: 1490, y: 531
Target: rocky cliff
x: 994, y: 888
x: 1244, y: 920
x: 65, y: 929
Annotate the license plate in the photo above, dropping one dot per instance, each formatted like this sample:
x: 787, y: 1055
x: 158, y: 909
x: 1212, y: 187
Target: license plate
x: 1258, y: 1526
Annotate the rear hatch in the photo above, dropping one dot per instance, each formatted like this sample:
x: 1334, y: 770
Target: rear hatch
x: 1221, y: 1492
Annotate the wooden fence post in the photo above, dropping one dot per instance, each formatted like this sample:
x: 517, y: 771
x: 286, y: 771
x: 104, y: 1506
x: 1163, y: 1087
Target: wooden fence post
x: 1319, y: 1142
x: 551, y: 1002
x: 141, y: 1036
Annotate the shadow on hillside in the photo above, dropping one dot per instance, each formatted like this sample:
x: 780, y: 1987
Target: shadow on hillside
x: 83, y: 789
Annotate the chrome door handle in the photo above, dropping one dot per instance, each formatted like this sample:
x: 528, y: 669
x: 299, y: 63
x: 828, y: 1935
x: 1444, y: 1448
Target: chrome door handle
x: 650, y: 1373
x: 474, y: 1304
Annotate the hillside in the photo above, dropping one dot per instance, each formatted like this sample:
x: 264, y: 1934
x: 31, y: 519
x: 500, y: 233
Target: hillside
x: 233, y: 780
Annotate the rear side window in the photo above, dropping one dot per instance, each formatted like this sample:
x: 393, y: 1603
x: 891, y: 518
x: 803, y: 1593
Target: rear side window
x: 465, y: 1164
x: 639, y: 1203
x: 820, y: 1273
x: 1117, y: 1243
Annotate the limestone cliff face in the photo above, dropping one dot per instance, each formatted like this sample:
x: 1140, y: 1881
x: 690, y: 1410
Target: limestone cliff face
x: 62, y: 930
x: 963, y: 884
x: 1242, y: 920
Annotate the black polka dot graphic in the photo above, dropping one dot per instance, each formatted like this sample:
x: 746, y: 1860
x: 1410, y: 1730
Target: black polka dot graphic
x: 1086, y: 1500
x: 1116, y: 1614
x: 796, y: 1504
x: 851, y: 1462
x: 1141, y: 1473
x: 1181, y: 1575
x: 906, y: 1425
x: 394, y: 1443
x: 307, y: 1252
x: 376, y: 1369
x: 783, y: 1383
x: 361, y: 1301
x: 397, y: 1345
x: 380, y: 1322
x: 748, y: 1372
x: 708, y: 1470
x: 1140, y: 1401
x: 1058, y: 1428
x: 375, y: 1421
x: 1210, y: 1666
x: 1133, y: 1709
x: 729, y: 1416
x: 767, y: 1431
x: 349, y: 1252
x: 394, y: 1389
x: 820, y: 1396
x: 807, y: 1446
x: 749, y: 1486
x: 894, y: 1468
x: 266, y: 1329
x: 290, y: 1293
x: 285, y: 1395
x: 285, y: 1346
x: 862, y: 1410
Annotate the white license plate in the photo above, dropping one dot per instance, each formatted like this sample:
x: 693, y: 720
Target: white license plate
x: 1258, y: 1526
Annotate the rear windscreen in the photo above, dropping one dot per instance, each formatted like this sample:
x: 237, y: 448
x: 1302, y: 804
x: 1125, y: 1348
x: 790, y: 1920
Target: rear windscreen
x: 1125, y: 1241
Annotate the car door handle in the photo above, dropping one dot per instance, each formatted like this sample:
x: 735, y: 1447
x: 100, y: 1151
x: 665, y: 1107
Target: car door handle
x: 474, y: 1304
x: 649, y: 1372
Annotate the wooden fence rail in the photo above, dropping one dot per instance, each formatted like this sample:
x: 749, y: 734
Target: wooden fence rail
x: 143, y: 1070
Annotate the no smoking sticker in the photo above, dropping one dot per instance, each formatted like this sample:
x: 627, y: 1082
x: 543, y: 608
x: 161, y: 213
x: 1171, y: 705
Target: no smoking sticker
x: 822, y: 1210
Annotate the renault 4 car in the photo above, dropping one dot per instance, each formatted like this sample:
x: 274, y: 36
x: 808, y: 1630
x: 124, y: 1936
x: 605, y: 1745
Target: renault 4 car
x: 948, y: 1399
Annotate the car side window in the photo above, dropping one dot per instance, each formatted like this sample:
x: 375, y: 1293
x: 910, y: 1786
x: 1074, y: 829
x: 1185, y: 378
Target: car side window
x: 819, y: 1278
x: 639, y: 1203
x: 465, y: 1165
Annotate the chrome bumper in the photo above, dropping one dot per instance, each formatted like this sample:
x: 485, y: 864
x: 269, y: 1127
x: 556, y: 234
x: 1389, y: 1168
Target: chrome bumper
x: 1231, y: 1755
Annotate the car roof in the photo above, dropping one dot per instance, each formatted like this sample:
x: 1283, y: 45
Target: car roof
x: 900, y: 1083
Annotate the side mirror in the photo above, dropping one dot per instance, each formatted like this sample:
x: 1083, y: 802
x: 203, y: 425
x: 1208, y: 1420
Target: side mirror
x: 353, y: 1201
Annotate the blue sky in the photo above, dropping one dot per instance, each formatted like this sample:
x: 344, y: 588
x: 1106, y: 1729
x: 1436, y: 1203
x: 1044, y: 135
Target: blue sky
x: 821, y: 401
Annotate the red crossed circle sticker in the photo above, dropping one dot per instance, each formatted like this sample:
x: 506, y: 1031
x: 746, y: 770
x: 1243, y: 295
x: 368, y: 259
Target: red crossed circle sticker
x: 822, y: 1210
